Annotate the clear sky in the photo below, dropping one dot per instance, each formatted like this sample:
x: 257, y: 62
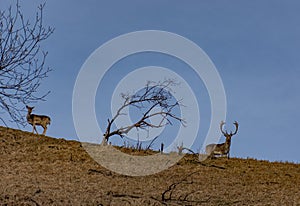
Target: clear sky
x: 255, y: 46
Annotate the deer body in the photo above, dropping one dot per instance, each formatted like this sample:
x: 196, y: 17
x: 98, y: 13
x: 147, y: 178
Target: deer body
x: 41, y: 120
x: 224, y: 148
x: 219, y: 149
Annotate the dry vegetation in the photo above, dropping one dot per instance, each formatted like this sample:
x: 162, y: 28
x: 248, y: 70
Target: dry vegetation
x: 37, y: 170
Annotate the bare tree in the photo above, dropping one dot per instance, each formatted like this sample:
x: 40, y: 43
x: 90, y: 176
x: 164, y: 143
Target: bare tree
x: 22, y: 62
x: 154, y: 95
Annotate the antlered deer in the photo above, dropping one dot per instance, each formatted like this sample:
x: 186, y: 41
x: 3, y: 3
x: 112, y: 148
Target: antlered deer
x: 224, y: 148
x: 40, y: 120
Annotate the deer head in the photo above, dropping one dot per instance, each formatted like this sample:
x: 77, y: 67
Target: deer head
x: 225, y: 133
x: 29, y: 109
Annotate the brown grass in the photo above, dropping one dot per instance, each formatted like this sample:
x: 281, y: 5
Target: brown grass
x: 37, y: 170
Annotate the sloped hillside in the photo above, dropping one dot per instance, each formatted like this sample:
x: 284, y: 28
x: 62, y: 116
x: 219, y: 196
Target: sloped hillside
x: 37, y: 170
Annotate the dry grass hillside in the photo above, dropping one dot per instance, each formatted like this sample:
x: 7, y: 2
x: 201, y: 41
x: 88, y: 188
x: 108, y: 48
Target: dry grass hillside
x: 37, y: 170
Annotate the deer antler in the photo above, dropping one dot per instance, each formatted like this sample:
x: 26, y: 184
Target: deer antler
x: 236, y: 128
x: 221, y: 128
x: 231, y: 133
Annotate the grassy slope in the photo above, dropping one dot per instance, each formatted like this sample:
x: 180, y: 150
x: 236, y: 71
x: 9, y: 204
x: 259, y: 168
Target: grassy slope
x: 39, y: 170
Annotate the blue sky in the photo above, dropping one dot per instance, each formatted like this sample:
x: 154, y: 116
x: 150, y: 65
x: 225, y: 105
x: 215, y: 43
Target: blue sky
x: 255, y: 46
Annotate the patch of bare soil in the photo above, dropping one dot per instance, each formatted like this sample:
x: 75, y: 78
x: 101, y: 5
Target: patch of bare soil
x: 38, y: 170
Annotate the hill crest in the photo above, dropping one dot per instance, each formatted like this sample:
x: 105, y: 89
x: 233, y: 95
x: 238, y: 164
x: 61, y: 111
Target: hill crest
x: 40, y: 170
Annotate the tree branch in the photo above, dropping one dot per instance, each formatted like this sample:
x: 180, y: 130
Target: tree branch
x: 154, y: 95
x: 22, y: 62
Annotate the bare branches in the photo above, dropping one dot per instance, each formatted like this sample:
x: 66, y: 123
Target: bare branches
x: 154, y: 95
x: 176, y: 195
x: 22, y: 62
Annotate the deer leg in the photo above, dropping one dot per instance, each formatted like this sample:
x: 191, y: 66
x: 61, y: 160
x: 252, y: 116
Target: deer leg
x: 34, y: 129
x: 45, y: 130
x: 211, y: 155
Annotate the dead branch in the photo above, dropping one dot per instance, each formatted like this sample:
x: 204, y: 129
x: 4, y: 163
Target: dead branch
x: 167, y: 195
x: 151, y: 143
x: 154, y: 95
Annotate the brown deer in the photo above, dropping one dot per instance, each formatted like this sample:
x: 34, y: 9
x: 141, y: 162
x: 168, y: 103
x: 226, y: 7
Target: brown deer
x: 224, y: 148
x: 40, y: 120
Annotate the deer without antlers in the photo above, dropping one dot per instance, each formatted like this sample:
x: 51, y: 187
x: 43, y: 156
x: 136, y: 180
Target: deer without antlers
x: 41, y: 120
x: 224, y: 148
